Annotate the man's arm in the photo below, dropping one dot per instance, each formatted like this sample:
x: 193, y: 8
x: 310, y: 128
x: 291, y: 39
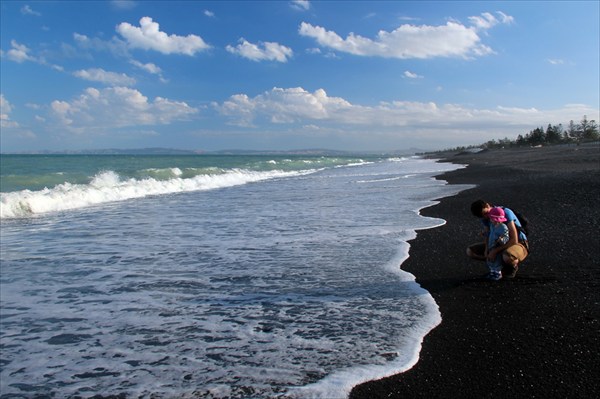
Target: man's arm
x: 513, y: 238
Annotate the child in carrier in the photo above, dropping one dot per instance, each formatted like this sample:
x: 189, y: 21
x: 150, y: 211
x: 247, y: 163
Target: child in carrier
x: 498, y: 237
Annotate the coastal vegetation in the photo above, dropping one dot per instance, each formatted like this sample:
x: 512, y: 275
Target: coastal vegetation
x: 576, y: 133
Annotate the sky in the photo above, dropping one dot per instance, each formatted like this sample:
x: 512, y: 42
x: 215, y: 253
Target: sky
x: 289, y: 75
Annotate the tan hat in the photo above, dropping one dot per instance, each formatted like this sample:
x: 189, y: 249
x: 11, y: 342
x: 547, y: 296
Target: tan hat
x: 517, y: 251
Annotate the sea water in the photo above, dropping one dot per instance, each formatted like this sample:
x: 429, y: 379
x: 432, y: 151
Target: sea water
x: 210, y: 276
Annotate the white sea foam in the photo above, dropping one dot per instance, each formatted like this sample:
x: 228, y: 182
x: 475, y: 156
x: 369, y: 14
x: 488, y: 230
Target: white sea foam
x: 385, y: 179
x: 288, y: 288
x: 109, y: 187
x: 340, y: 383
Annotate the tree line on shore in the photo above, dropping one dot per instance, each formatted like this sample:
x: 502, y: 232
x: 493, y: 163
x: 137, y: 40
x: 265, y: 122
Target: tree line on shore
x: 584, y: 131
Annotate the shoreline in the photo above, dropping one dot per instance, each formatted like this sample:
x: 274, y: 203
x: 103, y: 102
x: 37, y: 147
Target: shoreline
x: 537, y: 335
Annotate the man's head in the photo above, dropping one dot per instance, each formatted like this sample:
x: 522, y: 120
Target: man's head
x: 480, y: 208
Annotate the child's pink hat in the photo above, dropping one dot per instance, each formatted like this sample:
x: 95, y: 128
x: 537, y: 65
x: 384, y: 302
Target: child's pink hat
x: 497, y: 215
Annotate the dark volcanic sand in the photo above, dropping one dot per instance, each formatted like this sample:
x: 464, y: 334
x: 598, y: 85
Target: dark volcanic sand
x: 537, y: 335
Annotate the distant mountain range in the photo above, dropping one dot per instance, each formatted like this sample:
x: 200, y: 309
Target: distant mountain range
x: 172, y: 151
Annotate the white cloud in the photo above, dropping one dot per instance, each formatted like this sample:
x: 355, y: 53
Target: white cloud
x: 267, y: 51
x: 282, y: 106
x: 5, y: 110
x: 411, y: 41
x: 505, y: 19
x: 297, y: 105
x: 412, y: 75
x: 487, y: 21
x: 81, y: 38
x: 149, y: 67
x: 556, y: 61
x: 209, y: 13
x: 106, y: 77
x: 117, y: 107
x: 27, y: 10
x: 19, y: 53
x: 302, y: 5
x: 149, y: 37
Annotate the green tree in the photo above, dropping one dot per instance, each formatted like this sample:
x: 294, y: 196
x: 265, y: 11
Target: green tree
x: 588, y: 129
x: 536, y: 137
x: 491, y: 144
x: 574, y: 131
x: 505, y: 142
x: 553, y: 134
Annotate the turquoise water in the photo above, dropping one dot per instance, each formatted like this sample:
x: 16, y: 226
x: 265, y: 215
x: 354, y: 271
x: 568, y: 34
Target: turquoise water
x: 35, y: 172
x: 37, y: 184
x: 222, y: 277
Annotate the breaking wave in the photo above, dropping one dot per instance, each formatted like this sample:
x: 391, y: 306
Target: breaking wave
x: 109, y: 186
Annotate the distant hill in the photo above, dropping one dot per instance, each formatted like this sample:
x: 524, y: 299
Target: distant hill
x: 115, y: 151
x: 172, y: 151
x: 317, y: 152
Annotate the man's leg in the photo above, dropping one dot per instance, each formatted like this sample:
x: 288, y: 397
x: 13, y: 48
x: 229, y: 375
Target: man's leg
x: 476, y: 251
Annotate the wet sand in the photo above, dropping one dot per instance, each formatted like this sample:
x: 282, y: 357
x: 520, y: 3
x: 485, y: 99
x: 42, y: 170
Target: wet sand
x: 534, y: 336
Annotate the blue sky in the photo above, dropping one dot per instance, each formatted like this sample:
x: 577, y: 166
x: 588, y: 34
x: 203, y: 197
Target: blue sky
x: 347, y: 75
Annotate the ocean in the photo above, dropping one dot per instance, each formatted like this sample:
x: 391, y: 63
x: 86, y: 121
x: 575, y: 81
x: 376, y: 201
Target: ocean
x: 210, y: 276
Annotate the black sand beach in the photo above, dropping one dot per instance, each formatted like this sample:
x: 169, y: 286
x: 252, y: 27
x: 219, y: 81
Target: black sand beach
x: 534, y: 336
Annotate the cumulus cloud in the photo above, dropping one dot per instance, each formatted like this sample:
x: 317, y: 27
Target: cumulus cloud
x: 411, y: 41
x: 267, y: 51
x: 5, y: 110
x: 209, y: 13
x: 117, y: 107
x: 297, y: 105
x: 106, y: 77
x: 282, y: 106
x: 149, y: 37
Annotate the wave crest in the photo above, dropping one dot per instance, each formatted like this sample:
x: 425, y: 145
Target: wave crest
x: 108, y: 186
